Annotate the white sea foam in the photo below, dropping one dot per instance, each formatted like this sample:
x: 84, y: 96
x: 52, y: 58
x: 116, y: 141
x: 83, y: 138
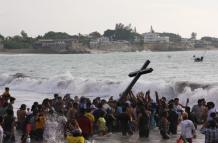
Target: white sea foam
x: 66, y: 83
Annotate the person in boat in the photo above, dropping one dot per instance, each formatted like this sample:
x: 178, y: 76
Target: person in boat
x: 198, y: 59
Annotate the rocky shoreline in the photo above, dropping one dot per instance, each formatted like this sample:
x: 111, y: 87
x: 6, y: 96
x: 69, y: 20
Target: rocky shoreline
x: 40, y: 51
x: 126, y: 48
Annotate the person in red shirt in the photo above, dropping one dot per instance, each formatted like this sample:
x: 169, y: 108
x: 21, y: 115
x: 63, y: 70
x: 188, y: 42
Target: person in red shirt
x: 85, y: 124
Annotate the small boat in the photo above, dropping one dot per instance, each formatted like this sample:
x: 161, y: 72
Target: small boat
x: 198, y: 59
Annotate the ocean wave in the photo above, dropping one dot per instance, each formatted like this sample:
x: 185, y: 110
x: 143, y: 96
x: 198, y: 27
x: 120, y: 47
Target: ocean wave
x: 67, y: 83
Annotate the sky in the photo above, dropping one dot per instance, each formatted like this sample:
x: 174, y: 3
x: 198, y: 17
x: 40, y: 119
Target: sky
x: 37, y: 17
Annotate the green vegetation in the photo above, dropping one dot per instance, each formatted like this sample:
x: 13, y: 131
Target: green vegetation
x: 95, y: 35
x: 1, y: 37
x: 56, y: 35
x: 109, y: 33
x: 121, y: 32
x: 84, y: 39
x: 18, y: 42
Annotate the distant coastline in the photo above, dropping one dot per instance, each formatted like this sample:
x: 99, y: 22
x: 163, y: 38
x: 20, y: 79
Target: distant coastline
x: 96, y: 51
x: 121, y: 39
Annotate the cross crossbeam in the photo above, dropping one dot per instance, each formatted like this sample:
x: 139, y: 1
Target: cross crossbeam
x: 136, y: 75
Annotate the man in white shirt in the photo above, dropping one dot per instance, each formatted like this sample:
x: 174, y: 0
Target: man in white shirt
x: 211, y: 109
x: 187, y: 128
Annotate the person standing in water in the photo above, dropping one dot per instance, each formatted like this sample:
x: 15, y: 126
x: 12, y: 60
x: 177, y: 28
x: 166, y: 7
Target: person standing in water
x: 144, y: 123
x: 124, y: 120
x: 210, y: 131
x: 187, y: 128
x: 6, y: 95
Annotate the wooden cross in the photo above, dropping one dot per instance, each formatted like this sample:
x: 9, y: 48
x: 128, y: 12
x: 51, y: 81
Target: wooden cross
x: 137, y: 75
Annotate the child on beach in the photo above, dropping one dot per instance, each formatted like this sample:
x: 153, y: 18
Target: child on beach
x: 75, y: 135
x: 101, y: 123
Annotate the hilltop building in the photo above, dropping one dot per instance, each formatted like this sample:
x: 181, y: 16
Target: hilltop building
x: 153, y: 37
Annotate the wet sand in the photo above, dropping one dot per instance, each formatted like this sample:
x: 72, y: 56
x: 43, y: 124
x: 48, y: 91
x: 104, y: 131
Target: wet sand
x: 154, y: 137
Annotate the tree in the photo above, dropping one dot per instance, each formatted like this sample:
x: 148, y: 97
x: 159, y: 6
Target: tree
x: 119, y: 26
x: 24, y: 34
x: 110, y: 34
x: 39, y: 37
x: 16, y: 42
x: 193, y: 35
x: 56, y: 35
x: 95, y: 35
x: 84, y: 39
x: 121, y: 32
x: 2, y: 37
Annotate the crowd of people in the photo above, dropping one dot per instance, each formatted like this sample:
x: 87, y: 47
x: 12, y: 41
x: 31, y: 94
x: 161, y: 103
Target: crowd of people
x: 77, y: 119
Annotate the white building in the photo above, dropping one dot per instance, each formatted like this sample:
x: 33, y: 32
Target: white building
x: 54, y: 43
x: 152, y: 37
x: 99, y: 41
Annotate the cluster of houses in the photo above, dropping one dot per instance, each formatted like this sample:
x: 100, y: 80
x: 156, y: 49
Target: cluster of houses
x: 54, y: 43
x: 104, y: 43
x: 60, y: 45
x: 153, y: 37
x: 99, y: 43
x: 150, y: 38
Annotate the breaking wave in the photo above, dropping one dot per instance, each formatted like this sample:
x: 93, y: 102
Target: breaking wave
x: 67, y: 83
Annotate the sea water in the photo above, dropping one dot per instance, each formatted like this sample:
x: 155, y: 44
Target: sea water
x: 32, y: 77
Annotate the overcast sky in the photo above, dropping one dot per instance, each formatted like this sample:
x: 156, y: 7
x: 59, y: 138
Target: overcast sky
x: 85, y: 16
